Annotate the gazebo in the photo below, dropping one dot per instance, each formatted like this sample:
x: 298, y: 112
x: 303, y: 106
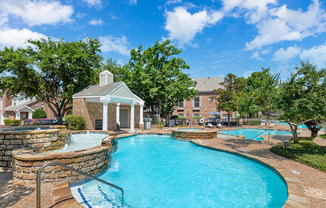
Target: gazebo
x: 109, y: 103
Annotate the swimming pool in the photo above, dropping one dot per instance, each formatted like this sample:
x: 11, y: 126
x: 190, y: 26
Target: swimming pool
x: 299, y: 126
x: 159, y: 171
x: 80, y: 141
x: 253, y: 133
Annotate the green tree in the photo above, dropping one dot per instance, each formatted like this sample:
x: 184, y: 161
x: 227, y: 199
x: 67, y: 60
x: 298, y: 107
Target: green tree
x: 260, y: 92
x: 155, y: 75
x: 302, y: 98
x: 51, y: 71
x: 39, y: 113
x: 112, y: 66
x: 228, y: 96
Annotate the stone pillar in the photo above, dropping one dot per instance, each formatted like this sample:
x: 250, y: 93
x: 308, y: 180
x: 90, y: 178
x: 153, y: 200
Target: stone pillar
x: 132, y: 118
x: 105, y: 116
x: 117, y: 112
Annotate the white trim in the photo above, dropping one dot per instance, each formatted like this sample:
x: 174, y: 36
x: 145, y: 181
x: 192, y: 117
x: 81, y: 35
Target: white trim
x: 29, y: 108
x: 87, y: 96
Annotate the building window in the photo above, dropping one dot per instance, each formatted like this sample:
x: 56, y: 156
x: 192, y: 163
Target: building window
x: 42, y: 106
x: 196, y: 115
x: 210, y: 99
x: 197, y: 102
x: 181, y: 115
x: 181, y: 104
x: 36, y: 107
x: 15, y: 102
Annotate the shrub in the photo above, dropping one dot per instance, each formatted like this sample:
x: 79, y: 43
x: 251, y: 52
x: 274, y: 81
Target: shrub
x: 9, y: 122
x: 75, y: 122
x: 197, y: 117
x: 174, y: 116
x: 15, y: 122
x: 39, y: 113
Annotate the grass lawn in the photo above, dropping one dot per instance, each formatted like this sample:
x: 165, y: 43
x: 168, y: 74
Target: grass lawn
x: 323, y: 136
x: 306, y: 152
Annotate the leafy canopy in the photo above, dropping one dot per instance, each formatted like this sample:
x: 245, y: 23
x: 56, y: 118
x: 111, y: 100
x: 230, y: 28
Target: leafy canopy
x: 228, y: 96
x: 302, y: 98
x: 50, y: 71
x: 155, y: 75
x: 260, y: 92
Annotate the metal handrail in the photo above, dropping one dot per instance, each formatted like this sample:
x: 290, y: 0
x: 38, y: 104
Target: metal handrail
x: 259, y: 134
x: 38, y: 181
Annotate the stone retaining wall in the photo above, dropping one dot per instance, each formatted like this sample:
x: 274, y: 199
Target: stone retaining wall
x: 91, y: 161
x: 40, y: 140
x: 188, y: 135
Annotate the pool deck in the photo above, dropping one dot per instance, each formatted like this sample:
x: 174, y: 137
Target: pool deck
x: 306, y: 189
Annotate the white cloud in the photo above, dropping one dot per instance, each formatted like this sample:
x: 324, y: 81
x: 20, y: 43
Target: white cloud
x: 183, y: 26
x: 93, y: 2
x: 132, y: 2
x: 246, y: 74
x: 37, y: 12
x: 256, y: 56
x: 111, y: 43
x: 283, y: 56
x: 254, y: 10
x: 96, y: 22
x: 18, y: 38
x: 316, y: 55
x: 291, y: 25
x: 173, y: 2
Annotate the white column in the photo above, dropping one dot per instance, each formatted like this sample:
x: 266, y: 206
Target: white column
x: 105, y: 116
x: 141, y: 119
x: 132, y: 118
x: 117, y: 112
x: 17, y: 116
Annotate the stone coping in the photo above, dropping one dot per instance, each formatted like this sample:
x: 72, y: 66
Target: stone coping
x: 29, y: 155
x: 41, y: 131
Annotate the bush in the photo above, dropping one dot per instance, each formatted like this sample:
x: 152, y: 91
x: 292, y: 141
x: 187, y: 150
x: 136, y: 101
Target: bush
x: 174, y: 116
x: 15, y: 122
x: 197, y: 117
x: 39, y: 113
x: 9, y: 122
x: 75, y: 122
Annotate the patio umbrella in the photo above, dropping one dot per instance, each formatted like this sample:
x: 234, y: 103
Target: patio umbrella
x: 215, y: 113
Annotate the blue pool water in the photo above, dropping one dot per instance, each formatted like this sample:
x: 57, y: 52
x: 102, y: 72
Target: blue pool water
x: 253, y: 133
x: 158, y: 171
x: 191, y: 129
x: 299, y: 126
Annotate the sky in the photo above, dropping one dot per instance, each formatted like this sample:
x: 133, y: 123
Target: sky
x: 216, y: 37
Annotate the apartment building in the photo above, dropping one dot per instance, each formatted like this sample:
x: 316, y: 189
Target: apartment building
x: 203, y: 103
x: 20, y: 108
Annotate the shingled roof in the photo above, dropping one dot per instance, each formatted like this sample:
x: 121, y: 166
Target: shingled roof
x: 97, y: 90
x: 208, y: 84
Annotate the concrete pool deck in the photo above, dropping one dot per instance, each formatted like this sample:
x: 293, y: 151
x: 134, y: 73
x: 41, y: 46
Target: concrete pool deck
x: 16, y: 195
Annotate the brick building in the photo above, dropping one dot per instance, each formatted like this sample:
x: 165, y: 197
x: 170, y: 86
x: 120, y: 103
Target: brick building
x: 203, y: 103
x: 20, y: 108
x: 107, y: 104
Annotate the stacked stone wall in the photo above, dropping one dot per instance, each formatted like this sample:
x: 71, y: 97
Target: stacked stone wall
x: 189, y: 135
x: 34, y: 140
x: 91, y: 161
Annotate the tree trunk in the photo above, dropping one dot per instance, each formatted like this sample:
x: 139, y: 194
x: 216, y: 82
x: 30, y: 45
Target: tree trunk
x: 313, y: 127
x: 229, y: 114
x: 294, y: 129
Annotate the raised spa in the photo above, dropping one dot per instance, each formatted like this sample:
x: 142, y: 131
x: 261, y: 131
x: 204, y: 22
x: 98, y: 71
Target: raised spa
x: 159, y: 171
x: 193, y: 133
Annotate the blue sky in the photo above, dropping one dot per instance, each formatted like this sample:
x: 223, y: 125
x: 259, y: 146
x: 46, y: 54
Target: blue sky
x: 217, y: 37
